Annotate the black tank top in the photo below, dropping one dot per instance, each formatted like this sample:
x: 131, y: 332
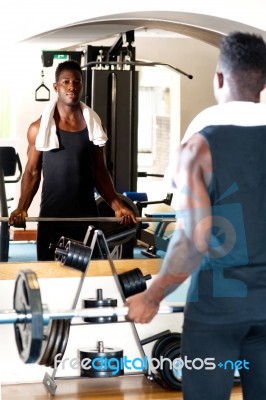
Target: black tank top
x: 69, y: 177
x: 230, y: 286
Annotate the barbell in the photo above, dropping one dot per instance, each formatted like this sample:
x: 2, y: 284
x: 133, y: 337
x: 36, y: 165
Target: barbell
x: 18, y: 317
x: 32, y: 320
x: 90, y: 219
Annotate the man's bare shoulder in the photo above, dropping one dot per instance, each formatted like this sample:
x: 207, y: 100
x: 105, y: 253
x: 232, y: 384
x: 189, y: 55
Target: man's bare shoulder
x: 35, y: 124
x: 194, y: 150
x: 33, y: 131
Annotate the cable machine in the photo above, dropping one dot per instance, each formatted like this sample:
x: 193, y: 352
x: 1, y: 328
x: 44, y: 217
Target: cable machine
x: 111, y: 89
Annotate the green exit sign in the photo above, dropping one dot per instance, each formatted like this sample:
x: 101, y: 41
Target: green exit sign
x: 61, y: 56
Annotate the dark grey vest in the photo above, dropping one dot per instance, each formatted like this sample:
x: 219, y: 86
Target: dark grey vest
x: 230, y: 285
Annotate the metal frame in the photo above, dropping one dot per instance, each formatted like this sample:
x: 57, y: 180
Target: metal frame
x: 98, y: 238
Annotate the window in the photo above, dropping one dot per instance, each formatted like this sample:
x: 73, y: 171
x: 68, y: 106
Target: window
x: 158, y: 125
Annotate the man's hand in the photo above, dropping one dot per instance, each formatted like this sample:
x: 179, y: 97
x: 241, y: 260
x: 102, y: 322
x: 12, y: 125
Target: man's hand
x: 18, y: 218
x: 127, y: 215
x: 141, y: 309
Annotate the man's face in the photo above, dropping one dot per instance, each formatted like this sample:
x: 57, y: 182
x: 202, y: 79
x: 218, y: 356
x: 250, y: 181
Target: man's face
x: 69, y: 87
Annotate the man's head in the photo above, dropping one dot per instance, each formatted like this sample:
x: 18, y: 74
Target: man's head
x: 241, y: 69
x: 67, y: 65
x: 68, y: 85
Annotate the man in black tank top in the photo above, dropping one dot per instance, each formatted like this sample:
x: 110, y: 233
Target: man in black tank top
x: 66, y: 147
x: 219, y: 174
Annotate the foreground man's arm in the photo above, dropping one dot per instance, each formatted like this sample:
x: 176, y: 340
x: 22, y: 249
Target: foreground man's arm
x: 189, y: 242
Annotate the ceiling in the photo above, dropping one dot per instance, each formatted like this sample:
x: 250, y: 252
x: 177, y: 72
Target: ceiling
x: 154, y: 23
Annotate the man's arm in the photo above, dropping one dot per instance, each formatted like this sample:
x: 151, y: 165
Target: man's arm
x: 30, y: 179
x: 190, y: 240
x: 105, y: 188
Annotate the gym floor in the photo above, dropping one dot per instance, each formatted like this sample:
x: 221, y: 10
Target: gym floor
x: 120, y: 388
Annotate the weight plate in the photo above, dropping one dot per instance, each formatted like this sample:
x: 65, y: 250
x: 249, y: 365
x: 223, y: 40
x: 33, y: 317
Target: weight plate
x: 162, y: 343
x: 50, y: 342
x: 125, y: 285
x: 95, y: 303
x: 100, y: 303
x: 133, y: 282
x: 105, y: 352
x: 78, y: 255
x: 64, y: 339
x: 27, y: 300
x: 139, y: 281
x: 131, y: 285
x: 61, y: 245
x: 69, y: 257
x: 103, y: 363
x: 56, y: 345
x: 46, y: 335
x: 170, y: 374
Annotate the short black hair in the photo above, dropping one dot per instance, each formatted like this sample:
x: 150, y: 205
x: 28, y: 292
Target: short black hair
x: 242, y: 51
x: 69, y: 64
x: 243, y: 56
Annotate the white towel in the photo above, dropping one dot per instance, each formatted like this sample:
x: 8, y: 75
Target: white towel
x: 47, y: 138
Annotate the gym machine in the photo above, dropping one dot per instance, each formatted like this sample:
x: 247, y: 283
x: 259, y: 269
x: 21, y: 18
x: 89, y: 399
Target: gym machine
x: 9, y: 164
x: 111, y: 89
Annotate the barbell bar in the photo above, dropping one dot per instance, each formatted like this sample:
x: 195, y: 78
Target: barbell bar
x: 14, y: 317
x: 91, y: 219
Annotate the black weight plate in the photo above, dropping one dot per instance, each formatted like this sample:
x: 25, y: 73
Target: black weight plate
x: 56, y: 346
x: 64, y: 339
x: 27, y: 300
x: 100, y: 303
x: 50, y: 342
x: 161, y: 344
x: 171, y: 375
x: 80, y: 259
x: 108, y: 352
x: 140, y: 278
x: 61, y: 245
x: 86, y: 256
x: 73, y: 250
x: 95, y: 303
x: 140, y: 283
x: 67, y: 260
x: 78, y: 255
x: 131, y: 282
x: 104, y: 361
x: 46, y: 335
x: 125, y: 285
x: 101, y: 320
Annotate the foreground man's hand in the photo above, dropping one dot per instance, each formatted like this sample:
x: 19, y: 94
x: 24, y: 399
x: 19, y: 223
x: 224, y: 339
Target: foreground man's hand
x: 141, y: 308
